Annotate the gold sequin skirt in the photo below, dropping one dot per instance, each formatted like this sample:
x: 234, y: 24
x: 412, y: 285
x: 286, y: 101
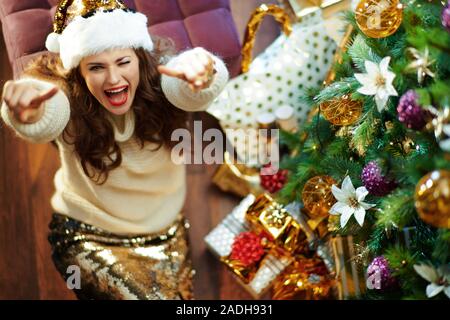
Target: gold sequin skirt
x: 117, y: 267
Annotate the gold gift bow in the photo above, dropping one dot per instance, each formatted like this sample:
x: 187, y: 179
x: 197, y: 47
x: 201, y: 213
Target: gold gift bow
x: 252, y: 27
x: 271, y: 218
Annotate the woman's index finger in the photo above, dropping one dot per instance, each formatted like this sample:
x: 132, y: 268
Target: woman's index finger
x: 36, y: 102
x: 170, y: 72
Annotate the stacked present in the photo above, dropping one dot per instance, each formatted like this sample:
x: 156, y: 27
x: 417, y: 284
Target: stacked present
x: 260, y: 240
x: 249, y: 250
x: 287, y: 248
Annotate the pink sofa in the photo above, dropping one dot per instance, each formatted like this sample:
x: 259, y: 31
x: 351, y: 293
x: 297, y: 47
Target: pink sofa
x: 189, y: 23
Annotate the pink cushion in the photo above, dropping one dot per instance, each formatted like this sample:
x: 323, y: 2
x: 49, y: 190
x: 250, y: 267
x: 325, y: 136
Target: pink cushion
x: 189, y: 23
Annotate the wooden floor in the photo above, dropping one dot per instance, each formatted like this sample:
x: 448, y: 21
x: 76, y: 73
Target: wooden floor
x: 26, y: 185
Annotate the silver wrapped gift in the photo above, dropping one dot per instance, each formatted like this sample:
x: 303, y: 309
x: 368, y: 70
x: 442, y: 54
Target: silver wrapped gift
x: 220, y: 241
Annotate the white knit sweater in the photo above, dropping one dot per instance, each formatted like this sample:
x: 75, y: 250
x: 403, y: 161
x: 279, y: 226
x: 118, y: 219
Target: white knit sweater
x: 146, y: 192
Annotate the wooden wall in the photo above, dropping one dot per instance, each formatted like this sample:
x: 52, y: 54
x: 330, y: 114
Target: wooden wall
x: 26, y: 185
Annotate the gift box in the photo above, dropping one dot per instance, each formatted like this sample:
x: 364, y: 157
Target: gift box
x: 350, y: 275
x: 271, y: 218
x: 281, y: 236
x: 304, y: 279
x: 340, y: 256
x: 221, y: 238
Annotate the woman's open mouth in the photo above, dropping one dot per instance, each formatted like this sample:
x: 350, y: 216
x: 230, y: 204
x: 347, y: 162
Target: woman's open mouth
x: 117, y: 96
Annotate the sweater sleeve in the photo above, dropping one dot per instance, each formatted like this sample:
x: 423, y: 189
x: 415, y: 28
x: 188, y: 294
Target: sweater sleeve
x: 53, y: 121
x: 180, y: 95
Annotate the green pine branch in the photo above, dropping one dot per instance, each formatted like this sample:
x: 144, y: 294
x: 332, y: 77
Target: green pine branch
x: 397, y: 209
x: 360, y: 51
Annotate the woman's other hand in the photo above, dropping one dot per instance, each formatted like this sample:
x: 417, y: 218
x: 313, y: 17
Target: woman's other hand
x: 195, y: 66
x: 25, y: 101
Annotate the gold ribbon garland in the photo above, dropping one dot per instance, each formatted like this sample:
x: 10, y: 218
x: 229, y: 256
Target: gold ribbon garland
x: 252, y: 27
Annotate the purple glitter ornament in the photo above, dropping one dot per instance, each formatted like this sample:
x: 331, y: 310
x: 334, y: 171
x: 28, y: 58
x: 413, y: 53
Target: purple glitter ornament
x: 409, y: 111
x: 446, y: 16
x: 379, y: 275
x: 375, y: 182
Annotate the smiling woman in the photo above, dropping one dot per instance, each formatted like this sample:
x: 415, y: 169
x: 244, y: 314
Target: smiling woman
x: 112, y: 77
x: 111, y: 107
x: 90, y: 107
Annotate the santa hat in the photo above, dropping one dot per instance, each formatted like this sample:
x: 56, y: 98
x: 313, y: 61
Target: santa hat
x: 86, y: 27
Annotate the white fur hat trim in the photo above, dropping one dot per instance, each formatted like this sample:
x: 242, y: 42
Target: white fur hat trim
x: 117, y: 29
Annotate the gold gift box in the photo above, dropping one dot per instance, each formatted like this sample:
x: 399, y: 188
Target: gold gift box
x: 258, y: 279
x: 281, y: 234
x: 304, y: 279
x: 269, y: 217
x: 281, y: 237
x: 350, y: 276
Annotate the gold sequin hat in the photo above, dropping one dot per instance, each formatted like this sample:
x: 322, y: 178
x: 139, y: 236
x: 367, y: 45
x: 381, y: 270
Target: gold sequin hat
x: 86, y: 27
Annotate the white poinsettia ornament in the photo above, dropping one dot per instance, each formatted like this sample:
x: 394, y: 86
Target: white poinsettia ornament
x: 350, y: 202
x: 377, y: 82
x: 439, y: 278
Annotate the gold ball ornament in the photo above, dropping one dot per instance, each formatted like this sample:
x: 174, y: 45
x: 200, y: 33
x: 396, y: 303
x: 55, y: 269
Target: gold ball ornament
x: 432, y: 198
x: 379, y: 18
x: 317, y: 197
x: 342, y: 111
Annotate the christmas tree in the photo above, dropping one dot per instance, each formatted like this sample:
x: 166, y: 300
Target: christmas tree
x: 377, y: 147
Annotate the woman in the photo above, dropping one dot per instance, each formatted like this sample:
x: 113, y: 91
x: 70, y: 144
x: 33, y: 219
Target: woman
x: 111, y: 108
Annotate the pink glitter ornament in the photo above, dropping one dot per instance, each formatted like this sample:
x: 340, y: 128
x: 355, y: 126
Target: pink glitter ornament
x: 375, y: 182
x: 410, y: 112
